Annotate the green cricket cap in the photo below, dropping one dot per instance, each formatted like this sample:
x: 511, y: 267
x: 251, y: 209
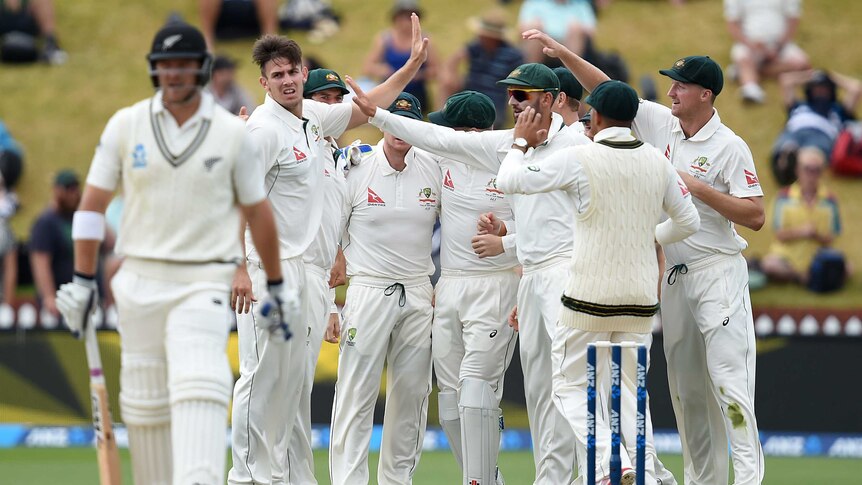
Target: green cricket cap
x: 614, y: 99
x: 322, y: 79
x: 467, y: 109
x: 406, y: 105
x: 66, y: 178
x: 538, y: 76
x: 568, y: 83
x: 700, y: 70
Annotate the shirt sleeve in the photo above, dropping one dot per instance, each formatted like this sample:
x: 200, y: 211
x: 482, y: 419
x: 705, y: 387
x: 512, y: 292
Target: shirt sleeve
x: 482, y: 150
x: 334, y: 118
x: 107, y: 164
x: 265, y: 143
x: 652, y: 124
x: 247, y: 175
x: 510, y: 243
x: 558, y: 171
x: 684, y: 219
x: 739, y: 173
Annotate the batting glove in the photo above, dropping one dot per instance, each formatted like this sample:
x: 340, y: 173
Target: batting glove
x: 77, y: 301
x: 281, y: 308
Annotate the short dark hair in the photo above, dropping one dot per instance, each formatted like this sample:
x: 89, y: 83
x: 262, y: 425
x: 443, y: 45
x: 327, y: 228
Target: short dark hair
x: 573, y: 103
x: 271, y: 47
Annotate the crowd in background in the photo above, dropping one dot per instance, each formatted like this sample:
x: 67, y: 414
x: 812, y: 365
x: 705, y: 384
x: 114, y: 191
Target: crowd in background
x: 821, y: 130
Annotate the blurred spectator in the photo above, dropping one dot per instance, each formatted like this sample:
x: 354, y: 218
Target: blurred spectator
x: 763, y: 32
x: 21, y: 23
x: 568, y: 102
x: 391, y: 49
x: 570, y: 22
x: 227, y: 93
x: 51, y: 251
x: 489, y: 58
x: 805, y: 220
x: 232, y: 19
x: 316, y: 16
x: 816, y: 120
x: 11, y: 165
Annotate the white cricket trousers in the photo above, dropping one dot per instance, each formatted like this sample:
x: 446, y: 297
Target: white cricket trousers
x: 266, y: 396
x: 384, y: 320
x: 711, y: 355
x: 300, y: 457
x: 175, y: 379
x: 570, y: 397
x: 471, y: 335
x: 538, y: 310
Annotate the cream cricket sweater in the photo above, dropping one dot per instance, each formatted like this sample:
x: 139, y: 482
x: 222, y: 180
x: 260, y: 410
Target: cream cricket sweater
x: 614, y: 270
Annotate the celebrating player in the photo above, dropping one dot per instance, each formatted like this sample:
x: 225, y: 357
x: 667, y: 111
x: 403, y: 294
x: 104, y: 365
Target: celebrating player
x: 290, y: 132
x: 180, y: 159
x: 543, y: 240
x: 706, y: 310
x: 393, y: 199
x: 619, y: 186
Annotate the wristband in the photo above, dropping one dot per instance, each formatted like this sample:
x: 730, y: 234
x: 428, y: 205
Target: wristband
x: 88, y: 225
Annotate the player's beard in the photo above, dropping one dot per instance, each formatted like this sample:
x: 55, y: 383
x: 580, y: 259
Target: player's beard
x: 181, y: 99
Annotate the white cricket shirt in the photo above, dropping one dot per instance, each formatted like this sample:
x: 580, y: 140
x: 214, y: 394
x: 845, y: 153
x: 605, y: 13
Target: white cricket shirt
x: 293, y: 155
x: 181, y: 184
x: 714, y: 155
x: 322, y: 250
x: 391, y: 216
x: 545, y: 220
x: 762, y: 20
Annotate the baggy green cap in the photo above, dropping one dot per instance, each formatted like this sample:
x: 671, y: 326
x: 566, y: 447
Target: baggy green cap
x: 700, y: 70
x: 467, y: 109
x: 322, y: 79
x: 614, y: 99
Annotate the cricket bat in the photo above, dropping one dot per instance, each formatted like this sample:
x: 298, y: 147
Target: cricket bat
x: 106, y: 442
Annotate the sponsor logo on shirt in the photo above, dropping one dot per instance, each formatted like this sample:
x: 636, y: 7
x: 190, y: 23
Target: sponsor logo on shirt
x: 374, y: 199
x: 492, y: 191
x: 297, y: 153
x: 682, y: 188
x: 751, y: 179
x: 427, y: 198
x: 139, y: 156
x: 447, y: 181
x: 667, y: 151
x: 326, y: 173
x: 533, y: 168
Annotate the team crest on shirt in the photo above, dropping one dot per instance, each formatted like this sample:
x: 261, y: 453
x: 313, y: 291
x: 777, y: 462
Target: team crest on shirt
x: 374, y: 199
x: 297, y: 153
x: 448, y: 184
x: 427, y: 198
x: 699, y: 166
x: 315, y: 130
x: 751, y: 179
x: 139, y: 156
x: 492, y: 191
x: 351, y: 336
x: 210, y: 162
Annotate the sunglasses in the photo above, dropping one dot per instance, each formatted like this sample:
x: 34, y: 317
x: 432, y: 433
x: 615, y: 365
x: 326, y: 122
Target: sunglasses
x: 522, y: 95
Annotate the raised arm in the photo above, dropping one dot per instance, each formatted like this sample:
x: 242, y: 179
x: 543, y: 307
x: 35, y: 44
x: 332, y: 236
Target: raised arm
x: 587, y: 74
x: 385, y: 93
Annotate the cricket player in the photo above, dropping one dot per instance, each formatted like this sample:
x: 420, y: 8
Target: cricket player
x: 393, y: 200
x: 290, y: 132
x: 706, y: 309
x: 620, y: 186
x: 543, y: 246
x: 324, y: 86
x: 473, y: 345
x: 183, y: 165
x: 568, y: 104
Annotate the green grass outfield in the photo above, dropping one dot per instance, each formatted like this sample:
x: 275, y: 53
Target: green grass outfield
x: 77, y: 466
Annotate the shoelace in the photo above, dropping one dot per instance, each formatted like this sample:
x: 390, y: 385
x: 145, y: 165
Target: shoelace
x: 391, y: 289
x: 676, y: 270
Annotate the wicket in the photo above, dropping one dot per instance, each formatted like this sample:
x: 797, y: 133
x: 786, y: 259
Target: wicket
x: 616, y: 366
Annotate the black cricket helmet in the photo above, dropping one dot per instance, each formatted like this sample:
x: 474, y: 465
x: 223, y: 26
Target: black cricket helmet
x: 179, y: 40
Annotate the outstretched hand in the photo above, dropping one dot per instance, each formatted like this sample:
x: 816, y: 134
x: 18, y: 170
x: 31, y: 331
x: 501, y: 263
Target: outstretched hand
x: 550, y: 47
x: 361, y: 99
x: 529, y: 127
x: 419, y: 45
x: 243, y: 113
